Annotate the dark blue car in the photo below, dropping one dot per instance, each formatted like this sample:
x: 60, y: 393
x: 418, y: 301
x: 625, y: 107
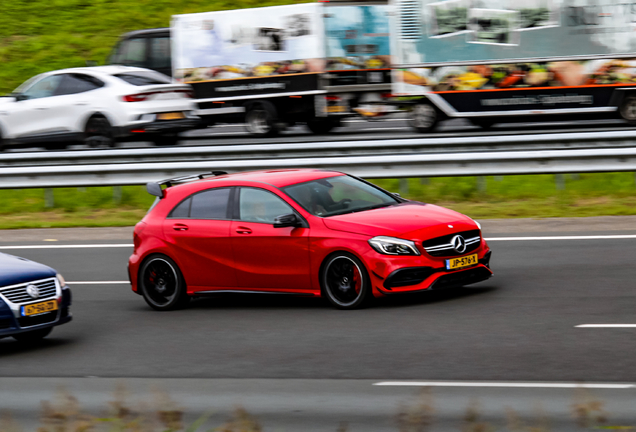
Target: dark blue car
x: 33, y: 299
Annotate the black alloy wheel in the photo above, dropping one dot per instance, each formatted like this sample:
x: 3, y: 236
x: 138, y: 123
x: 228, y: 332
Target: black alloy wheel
x: 33, y: 335
x: 98, y: 131
x: 162, y: 284
x: 345, y: 281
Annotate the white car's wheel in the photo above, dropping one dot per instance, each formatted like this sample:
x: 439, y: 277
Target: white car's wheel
x: 98, y: 132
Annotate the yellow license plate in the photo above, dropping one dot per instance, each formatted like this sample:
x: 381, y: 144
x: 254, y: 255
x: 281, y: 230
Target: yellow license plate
x: 38, y: 308
x: 336, y: 109
x: 456, y: 263
x: 170, y: 116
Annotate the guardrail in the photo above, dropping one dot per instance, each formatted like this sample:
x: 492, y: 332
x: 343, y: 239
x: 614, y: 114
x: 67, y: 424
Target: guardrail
x: 490, y: 143
x: 376, y: 166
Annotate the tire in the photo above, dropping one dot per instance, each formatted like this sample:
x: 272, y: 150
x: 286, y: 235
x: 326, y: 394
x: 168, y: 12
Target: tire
x: 165, y: 140
x: 321, y: 126
x: 261, y: 119
x: 344, y: 281
x: 33, y: 335
x: 628, y: 109
x: 98, y: 131
x: 162, y: 284
x: 423, y: 117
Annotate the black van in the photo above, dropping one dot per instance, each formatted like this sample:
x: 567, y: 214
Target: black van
x: 148, y: 48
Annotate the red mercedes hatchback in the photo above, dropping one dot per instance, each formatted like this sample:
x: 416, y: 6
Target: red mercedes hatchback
x: 301, y: 232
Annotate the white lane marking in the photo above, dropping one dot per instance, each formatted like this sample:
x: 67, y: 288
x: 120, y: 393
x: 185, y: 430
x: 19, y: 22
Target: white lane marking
x: 606, y: 326
x: 591, y: 237
x: 503, y: 384
x: 70, y: 246
x: 490, y: 239
x: 99, y: 283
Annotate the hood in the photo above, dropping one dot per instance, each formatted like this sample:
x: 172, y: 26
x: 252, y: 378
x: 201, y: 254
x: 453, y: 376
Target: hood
x: 411, y: 221
x: 6, y: 100
x: 15, y: 270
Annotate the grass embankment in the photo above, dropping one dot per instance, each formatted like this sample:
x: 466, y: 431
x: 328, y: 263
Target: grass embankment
x: 505, y: 197
x: 42, y: 35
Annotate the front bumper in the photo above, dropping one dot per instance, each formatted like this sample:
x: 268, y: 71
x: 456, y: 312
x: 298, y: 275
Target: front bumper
x: 422, y: 273
x: 11, y: 321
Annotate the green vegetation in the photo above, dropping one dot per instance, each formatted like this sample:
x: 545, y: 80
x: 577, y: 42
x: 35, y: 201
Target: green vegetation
x: 482, y: 198
x: 41, y: 35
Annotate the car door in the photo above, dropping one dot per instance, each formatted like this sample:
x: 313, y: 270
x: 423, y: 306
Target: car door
x: 75, y: 100
x: 30, y: 114
x: 264, y: 256
x: 198, y: 230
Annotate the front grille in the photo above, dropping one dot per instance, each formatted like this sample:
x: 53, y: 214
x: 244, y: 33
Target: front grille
x: 442, y: 247
x: 18, y: 294
x: 44, y: 318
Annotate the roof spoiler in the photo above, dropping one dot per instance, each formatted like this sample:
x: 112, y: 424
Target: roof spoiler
x: 155, y: 188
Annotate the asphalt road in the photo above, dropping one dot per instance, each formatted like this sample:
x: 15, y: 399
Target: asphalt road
x: 520, y: 326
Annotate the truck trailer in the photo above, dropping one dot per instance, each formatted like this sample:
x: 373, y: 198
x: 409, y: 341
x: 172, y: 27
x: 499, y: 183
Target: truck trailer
x: 274, y: 67
x: 494, y: 61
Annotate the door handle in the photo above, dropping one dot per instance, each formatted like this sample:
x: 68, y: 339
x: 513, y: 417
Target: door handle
x: 81, y: 103
x: 243, y: 230
x: 180, y: 227
x: 41, y: 108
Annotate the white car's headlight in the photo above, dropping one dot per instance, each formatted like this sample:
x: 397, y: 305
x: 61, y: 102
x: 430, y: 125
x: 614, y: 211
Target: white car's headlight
x: 393, y: 246
x: 61, y: 280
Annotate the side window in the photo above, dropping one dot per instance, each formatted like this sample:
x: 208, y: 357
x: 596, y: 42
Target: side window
x: 78, y: 83
x: 182, y: 210
x: 43, y: 88
x: 211, y: 204
x: 132, y: 52
x: 160, y: 52
x: 258, y: 205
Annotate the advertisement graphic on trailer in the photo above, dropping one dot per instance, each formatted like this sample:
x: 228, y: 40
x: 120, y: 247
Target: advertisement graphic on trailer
x: 357, y: 37
x: 245, y: 43
x: 485, y: 31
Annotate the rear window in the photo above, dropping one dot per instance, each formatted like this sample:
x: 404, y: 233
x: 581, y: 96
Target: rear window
x: 209, y: 204
x: 143, y: 78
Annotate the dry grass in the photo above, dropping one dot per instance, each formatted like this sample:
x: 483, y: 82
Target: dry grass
x: 161, y: 414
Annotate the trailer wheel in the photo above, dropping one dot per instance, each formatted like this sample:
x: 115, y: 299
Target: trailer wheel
x: 628, y: 109
x: 423, y: 117
x: 260, y: 119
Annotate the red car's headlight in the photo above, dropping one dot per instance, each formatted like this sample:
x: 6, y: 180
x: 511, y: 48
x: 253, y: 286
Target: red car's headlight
x: 393, y: 246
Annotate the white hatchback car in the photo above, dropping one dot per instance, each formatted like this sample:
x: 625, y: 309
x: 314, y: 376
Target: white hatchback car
x: 96, y: 105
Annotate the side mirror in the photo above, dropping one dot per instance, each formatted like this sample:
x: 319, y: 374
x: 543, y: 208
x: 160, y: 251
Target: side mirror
x: 20, y: 97
x: 287, y: 220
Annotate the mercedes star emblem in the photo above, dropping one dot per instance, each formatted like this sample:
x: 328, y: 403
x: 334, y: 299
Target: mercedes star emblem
x: 459, y: 244
x: 33, y: 291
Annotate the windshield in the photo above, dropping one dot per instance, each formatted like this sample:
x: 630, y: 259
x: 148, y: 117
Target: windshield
x: 338, y: 195
x: 25, y: 85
